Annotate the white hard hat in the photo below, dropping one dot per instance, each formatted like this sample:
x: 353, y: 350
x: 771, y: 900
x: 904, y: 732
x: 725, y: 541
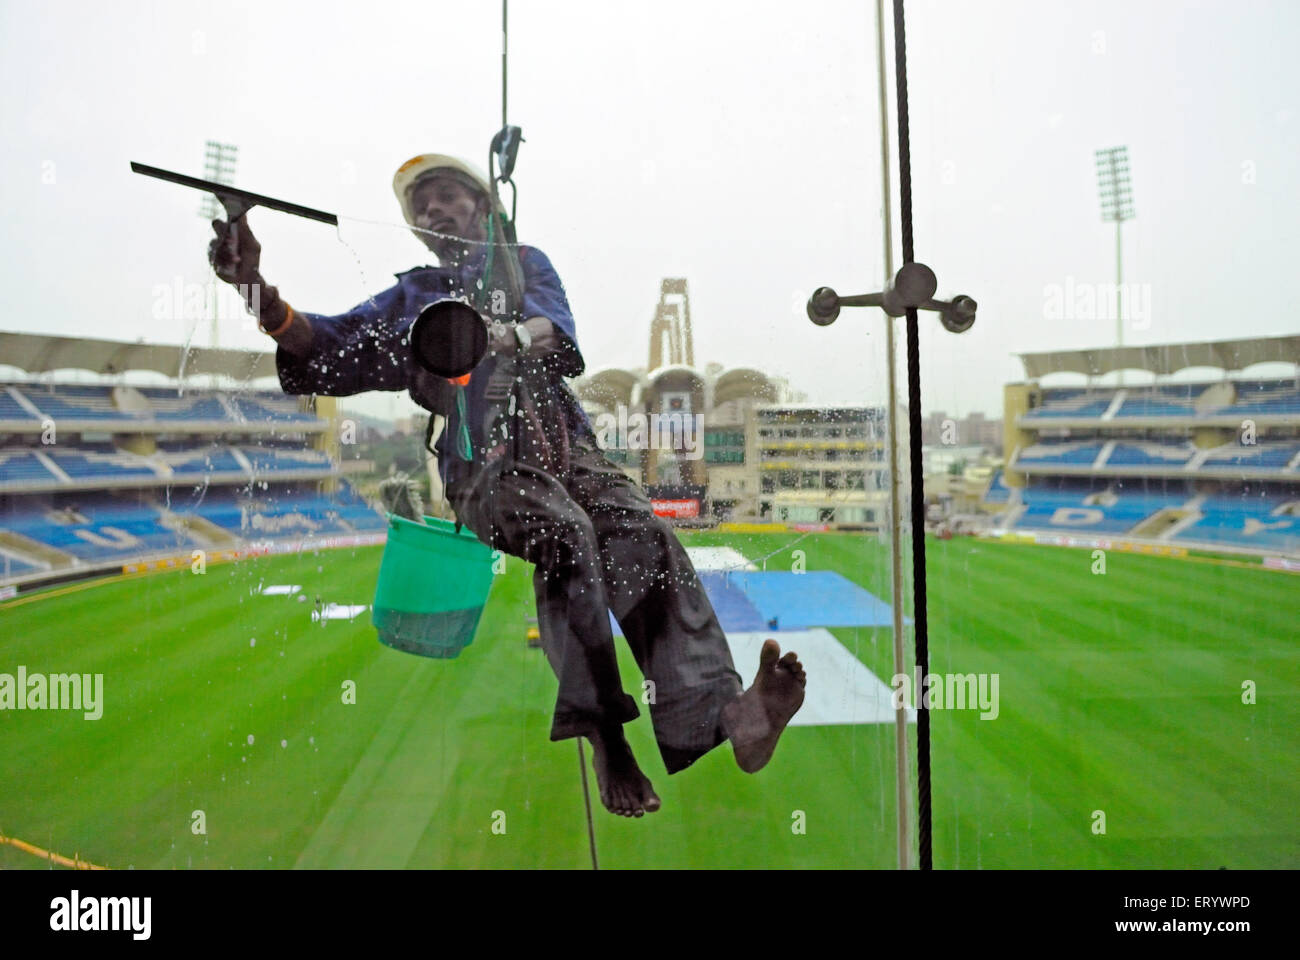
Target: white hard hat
x: 423, y: 165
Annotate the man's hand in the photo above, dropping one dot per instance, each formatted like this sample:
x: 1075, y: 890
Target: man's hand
x: 236, y: 256
x: 235, y: 253
x: 502, y: 339
x: 545, y: 339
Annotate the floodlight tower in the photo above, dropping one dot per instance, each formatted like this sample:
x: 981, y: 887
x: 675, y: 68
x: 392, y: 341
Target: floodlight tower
x: 219, y: 167
x: 1116, y: 206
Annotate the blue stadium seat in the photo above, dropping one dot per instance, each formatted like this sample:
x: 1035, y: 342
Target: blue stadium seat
x: 1260, y: 456
x: 1060, y: 453
x: 67, y: 402
x: 1245, y: 522
x: 1064, y: 508
x: 11, y: 409
x: 1150, y: 454
x: 21, y: 466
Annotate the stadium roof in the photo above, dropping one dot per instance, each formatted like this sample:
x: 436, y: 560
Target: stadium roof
x: 41, y: 353
x: 1165, y: 358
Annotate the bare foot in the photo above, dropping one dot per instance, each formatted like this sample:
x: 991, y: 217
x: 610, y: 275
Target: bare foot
x: 754, y: 720
x: 624, y: 789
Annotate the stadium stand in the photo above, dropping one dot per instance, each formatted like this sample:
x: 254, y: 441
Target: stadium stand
x: 1260, y: 456
x: 95, y: 477
x: 1189, y: 400
x: 998, y: 492
x: 1061, y: 453
x: 1269, y: 522
x: 1213, y: 463
x: 11, y: 409
x: 85, y: 465
x: 1072, y: 403
x: 105, y: 526
x: 1139, y: 454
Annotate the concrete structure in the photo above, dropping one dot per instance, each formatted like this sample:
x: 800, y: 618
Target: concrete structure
x: 822, y: 464
x: 685, y: 434
x: 739, y: 442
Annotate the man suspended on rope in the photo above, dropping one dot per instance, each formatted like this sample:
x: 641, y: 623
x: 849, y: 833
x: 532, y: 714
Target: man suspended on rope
x: 555, y: 501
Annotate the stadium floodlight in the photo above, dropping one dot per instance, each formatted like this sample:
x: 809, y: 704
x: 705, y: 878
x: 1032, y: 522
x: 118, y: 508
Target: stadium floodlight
x: 1116, y: 192
x: 219, y: 167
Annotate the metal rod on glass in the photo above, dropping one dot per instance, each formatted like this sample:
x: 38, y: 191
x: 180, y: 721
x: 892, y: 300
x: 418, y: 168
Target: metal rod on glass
x: 902, y: 800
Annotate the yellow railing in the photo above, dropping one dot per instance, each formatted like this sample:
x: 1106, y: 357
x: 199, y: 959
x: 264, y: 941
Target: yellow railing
x: 74, y: 863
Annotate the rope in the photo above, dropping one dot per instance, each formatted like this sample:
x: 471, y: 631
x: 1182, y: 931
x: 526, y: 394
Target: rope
x: 505, y: 47
x: 464, y: 445
x: 914, y: 424
x: 586, y: 798
x: 506, y: 242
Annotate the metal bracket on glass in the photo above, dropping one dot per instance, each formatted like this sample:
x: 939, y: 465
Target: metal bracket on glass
x: 913, y: 286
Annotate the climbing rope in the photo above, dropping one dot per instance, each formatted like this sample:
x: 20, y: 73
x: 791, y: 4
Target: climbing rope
x: 914, y: 430
x: 586, y: 797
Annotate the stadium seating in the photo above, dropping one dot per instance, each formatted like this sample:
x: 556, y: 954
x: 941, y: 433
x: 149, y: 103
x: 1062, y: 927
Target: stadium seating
x: 21, y: 466
x: 11, y: 409
x: 998, y: 491
x: 188, y: 458
x: 118, y: 528
x: 290, y: 514
x: 173, y: 460
x: 80, y: 462
x: 269, y: 407
x: 1261, y: 456
x: 272, y: 459
x: 68, y: 402
x: 1266, y: 396
x: 1248, y: 520
x: 1127, y: 454
x: 1099, y: 477
x: 1060, y: 453
x: 1254, y: 398
x: 71, y: 402
x: 1072, y: 403
x: 1175, y: 400
x: 238, y: 460
x: 1092, y: 508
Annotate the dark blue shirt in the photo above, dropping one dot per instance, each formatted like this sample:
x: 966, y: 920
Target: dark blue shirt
x: 368, y: 347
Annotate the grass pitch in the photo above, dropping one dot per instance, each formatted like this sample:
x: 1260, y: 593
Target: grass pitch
x: 1120, y: 693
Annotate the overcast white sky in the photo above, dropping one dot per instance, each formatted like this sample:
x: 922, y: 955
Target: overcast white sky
x: 734, y: 144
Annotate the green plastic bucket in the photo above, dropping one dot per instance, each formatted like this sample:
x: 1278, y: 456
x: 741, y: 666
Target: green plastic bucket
x: 433, y: 583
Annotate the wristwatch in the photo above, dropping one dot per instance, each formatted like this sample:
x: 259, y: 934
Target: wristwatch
x: 523, y: 337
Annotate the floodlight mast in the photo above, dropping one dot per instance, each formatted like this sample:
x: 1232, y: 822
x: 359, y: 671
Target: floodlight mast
x: 1116, y: 191
x: 219, y: 167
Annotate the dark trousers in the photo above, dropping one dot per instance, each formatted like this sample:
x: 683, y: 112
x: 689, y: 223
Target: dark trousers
x: 598, y: 546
